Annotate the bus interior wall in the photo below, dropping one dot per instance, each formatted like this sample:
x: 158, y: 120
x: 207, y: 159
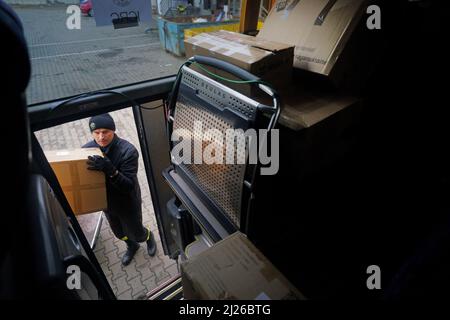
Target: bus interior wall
x: 382, y: 200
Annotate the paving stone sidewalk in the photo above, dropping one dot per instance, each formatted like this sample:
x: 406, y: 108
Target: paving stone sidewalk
x: 144, y: 273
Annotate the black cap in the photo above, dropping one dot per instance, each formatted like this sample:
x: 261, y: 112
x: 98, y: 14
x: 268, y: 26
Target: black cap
x: 102, y: 121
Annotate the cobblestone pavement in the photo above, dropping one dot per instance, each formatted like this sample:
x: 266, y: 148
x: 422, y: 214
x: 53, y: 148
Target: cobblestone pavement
x: 144, y: 273
x: 69, y: 62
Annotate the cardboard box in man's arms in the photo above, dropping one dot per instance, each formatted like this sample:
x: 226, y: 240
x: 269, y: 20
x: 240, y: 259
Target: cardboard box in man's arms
x: 84, y: 189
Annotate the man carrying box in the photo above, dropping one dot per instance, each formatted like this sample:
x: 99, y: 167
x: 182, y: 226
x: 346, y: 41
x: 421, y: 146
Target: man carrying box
x: 120, y: 165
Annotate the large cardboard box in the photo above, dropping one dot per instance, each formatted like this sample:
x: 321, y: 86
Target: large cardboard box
x: 234, y: 269
x: 84, y: 189
x: 303, y: 108
x: 319, y: 30
x: 319, y: 129
x: 269, y: 60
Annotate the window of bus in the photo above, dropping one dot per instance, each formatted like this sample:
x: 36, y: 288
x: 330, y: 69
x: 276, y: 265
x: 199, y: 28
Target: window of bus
x: 73, y: 53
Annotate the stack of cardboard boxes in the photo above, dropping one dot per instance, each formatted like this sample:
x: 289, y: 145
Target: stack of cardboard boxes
x: 307, y: 35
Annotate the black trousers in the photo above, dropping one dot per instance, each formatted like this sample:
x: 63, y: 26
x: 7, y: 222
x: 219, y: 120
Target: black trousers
x: 127, y: 226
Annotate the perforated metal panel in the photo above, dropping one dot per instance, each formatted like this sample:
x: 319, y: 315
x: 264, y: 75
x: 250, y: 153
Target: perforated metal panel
x: 222, y: 183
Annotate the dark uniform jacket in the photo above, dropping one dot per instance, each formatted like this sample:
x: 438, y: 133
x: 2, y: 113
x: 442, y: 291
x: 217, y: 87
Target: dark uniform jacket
x: 123, y: 191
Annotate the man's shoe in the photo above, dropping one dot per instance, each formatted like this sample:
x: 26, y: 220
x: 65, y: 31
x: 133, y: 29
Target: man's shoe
x: 132, y: 248
x: 151, y: 245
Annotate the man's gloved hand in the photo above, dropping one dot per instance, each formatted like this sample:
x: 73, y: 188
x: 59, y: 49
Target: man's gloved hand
x: 101, y: 164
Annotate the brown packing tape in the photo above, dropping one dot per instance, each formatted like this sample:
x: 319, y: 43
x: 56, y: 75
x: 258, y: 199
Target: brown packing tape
x: 245, y: 53
x: 240, y: 57
x: 251, y: 41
